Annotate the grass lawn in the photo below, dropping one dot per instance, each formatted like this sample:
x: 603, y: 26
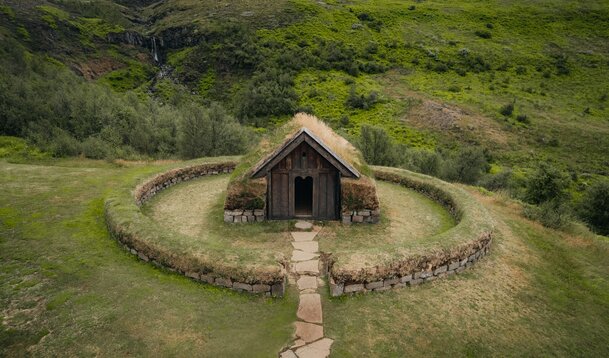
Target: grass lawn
x: 67, y: 289
x: 400, y: 225
x: 539, y: 293
x: 196, y: 209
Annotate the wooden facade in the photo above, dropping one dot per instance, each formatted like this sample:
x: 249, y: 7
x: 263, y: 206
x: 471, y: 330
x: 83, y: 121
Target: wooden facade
x: 303, y: 180
x: 303, y: 184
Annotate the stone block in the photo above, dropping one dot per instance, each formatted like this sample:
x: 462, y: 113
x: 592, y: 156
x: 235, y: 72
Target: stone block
x: 194, y: 275
x: 237, y: 219
x: 363, y: 213
x: 142, y: 256
x: 440, y: 270
x: 258, y: 212
x: 460, y: 269
x: 242, y: 286
x: 228, y: 218
x: 373, y: 285
x: 431, y: 278
x: 278, y: 289
x: 248, y: 212
x: 391, y: 281
x: 425, y: 274
x: 357, y: 287
x: 399, y: 285
x: 259, y: 287
x: 384, y: 288
x: 251, y: 219
x: 471, y: 258
x: 406, y: 278
x: 358, y: 219
x: 453, y: 265
x: 376, y: 212
x: 133, y: 251
x: 450, y: 273
x: 415, y: 281
x: 259, y: 218
x: 208, y: 278
x: 226, y: 282
x: 346, y: 219
x: 336, y: 289
x: 463, y: 262
x: 243, y: 218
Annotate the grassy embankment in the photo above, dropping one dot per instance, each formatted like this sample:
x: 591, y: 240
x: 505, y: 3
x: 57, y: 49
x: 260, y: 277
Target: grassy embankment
x: 69, y: 289
x: 66, y: 288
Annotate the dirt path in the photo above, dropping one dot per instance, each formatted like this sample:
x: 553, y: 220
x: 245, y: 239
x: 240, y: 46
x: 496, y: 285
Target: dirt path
x: 310, y: 341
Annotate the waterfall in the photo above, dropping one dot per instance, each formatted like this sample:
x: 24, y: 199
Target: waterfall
x: 154, y: 50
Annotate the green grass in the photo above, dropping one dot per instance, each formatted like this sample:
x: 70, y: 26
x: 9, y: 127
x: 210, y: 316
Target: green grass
x: 401, y: 225
x: 67, y: 288
x: 196, y: 210
x: 538, y: 293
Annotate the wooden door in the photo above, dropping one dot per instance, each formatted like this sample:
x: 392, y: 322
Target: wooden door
x: 326, y: 191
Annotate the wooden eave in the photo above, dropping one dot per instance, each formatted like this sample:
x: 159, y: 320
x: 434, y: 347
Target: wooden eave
x: 305, y: 135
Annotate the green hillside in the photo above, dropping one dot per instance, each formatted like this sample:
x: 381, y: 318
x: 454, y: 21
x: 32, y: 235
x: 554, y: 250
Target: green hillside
x: 509, y: 99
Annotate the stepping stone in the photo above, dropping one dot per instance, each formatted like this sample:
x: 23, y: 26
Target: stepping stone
x: 298, y: 255
x: 319, y: 349
x: 309, y: 308
x: 288, y: 354
x: 308, y: 332
x: 298, y: 343
x: 303, y: 236
x: 306, y: 246
x: 307, y: 282
x: 303, y: 225
x: 307, y: 267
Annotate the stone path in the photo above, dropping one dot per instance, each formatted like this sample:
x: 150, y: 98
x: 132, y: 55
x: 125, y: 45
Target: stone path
x: 310, y: 341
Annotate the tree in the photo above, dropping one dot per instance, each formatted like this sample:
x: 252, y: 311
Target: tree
x: 376, y: 146
x: 547, y: 183
x: 194, y: 126
x: 466, y: 166
x: 594, y: 207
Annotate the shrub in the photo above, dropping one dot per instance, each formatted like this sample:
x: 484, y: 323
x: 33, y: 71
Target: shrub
x: 494, y: 182
x: 375, y: 145
x: 210, y: 132
x: 594, y: 207
x: 361, y: 101
x: 523, y: 118
x: 466, y: 166
x: 483, y: 34
x: 554, y: 214
x: 545, y: 184
x: 507, y: 110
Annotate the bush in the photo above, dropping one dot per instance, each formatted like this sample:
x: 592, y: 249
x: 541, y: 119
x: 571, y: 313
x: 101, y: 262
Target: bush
x: 523, y: 118
x: 483, y: 34
x: 546, y: 184
x: 494, y: 182
x: 554, y: 214
x: 210, y: 132
x: 507, y: 110
x: 594, y: 207
x: 466, y: 166
x: 376, y: 146
x: 361, y: 101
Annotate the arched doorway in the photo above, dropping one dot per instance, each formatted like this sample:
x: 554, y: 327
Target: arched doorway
x: 303, y: 196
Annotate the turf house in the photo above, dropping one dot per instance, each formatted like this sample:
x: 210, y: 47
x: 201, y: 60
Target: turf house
x: 303, y: 170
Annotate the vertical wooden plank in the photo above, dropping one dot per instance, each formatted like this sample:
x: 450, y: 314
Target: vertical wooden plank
x: 323, y: 190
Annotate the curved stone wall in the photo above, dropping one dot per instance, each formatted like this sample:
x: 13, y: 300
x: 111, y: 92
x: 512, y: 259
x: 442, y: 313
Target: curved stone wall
x: 124, y: 218
x: 457, y: 248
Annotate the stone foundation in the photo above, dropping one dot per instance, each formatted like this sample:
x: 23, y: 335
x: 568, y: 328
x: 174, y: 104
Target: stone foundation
x: 361, y: 216
x: 244, y: 216
x: 451, y: 267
